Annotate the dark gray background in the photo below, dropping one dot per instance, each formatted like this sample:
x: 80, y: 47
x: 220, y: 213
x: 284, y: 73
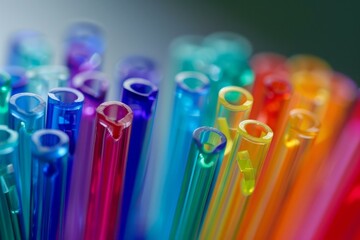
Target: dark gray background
x: 147, y: 27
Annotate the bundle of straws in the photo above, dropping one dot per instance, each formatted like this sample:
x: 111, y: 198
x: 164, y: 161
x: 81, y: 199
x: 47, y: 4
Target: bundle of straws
x: 233, y: 146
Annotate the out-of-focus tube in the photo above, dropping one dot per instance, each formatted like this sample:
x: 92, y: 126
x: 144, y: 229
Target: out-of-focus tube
x: 231, y: 55
x: 275, y: 102
x: 5, y: 91
x: 138, y: 67
x: 112, y: 137
x: 316, y: 165
x: 19, y: 80
x: 10, y: 215
x: 29, y: 49
x: 50, y: 150
x: 264, y: 64
x: 307, y: 63
x: 140, y: 95
x: 302, y: 128
x: 246, y: 159
x: 27, y: 115
x: 206, y: 152
x: 43, y: 79
x: 84, y: 50
x: 94, y: 86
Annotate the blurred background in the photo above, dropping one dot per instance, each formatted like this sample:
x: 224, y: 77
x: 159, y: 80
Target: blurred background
x: 329, y: 30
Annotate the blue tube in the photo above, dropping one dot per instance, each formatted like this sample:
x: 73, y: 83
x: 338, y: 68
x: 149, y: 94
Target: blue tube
x: 27, y: 114
x: 50, y: 150
x: 140, y: 95
x: 190, y: 99
x: 18, y: 78
x: 64, y: 113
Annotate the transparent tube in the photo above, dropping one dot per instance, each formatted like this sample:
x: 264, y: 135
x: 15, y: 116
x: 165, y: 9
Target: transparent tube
x: 50, y: 150
x: 234, y: 106
x: 112, y: 129
x: 231, y: 55
x: 94, y: 86
x: 29, y: 49
x: 19, y: 80
x: 11, y: 226
x: 207, y: 150
x: 190, y: 96
x: 137, y: 67
x: 246, y: 160
x: 140, y: 95
x: 43, y: 79
x: 316, y: 165
x: 276, y: 99
x: 84, y: 50
x: 27, y: 115
x: 302, y: 128
x: 5, y: 91
x: 307, y: 63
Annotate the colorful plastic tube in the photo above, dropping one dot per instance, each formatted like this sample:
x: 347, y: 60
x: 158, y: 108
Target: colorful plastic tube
x: 10, y: 210
x: 190, y: 96
x: 231, y: 55
x: 27, y: 115
x: 207, y: 150
x: 64, y: 113
x: 234, y: 106
x: 29, y: 49
x: 19, y: 80
x: 279, y: 174
x: 94, y: 86
x: 140, y: 95
x: 5, y: 91
x: 264, y: 64
x: 251, y: 144
x: 50, y: 149
x: 112, y: 131
x: 43, y: 79
x: 138, y: 67
x: 275, y: 101
x: 84, y: 50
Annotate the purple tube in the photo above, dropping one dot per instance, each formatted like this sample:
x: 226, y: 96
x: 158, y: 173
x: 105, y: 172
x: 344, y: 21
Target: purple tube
x: 94, y: 86
x: 84, y: 48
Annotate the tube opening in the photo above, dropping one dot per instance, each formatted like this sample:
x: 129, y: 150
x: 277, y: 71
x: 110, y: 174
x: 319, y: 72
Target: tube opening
x: 4, y: 135
x: 256, y: 131
x: 28, y: 103
x: 304, y: 122
x: 192, y: 81
x: 210, y: 139
x: 66, y: 97
x: 49, y: 140
x: 235, y: 98
x: 115, y: 112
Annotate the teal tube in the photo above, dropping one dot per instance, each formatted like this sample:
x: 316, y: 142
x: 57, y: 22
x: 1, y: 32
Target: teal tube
x: 10, y: 214
x: 206, y: 152
x: 27, y: 115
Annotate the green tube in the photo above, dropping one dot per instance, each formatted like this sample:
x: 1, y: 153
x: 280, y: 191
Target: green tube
x: 5, y: 91
x: 207, y: 149
x: 10, y: 227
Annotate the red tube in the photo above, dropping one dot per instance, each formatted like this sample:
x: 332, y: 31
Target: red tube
x: 112, y: 134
